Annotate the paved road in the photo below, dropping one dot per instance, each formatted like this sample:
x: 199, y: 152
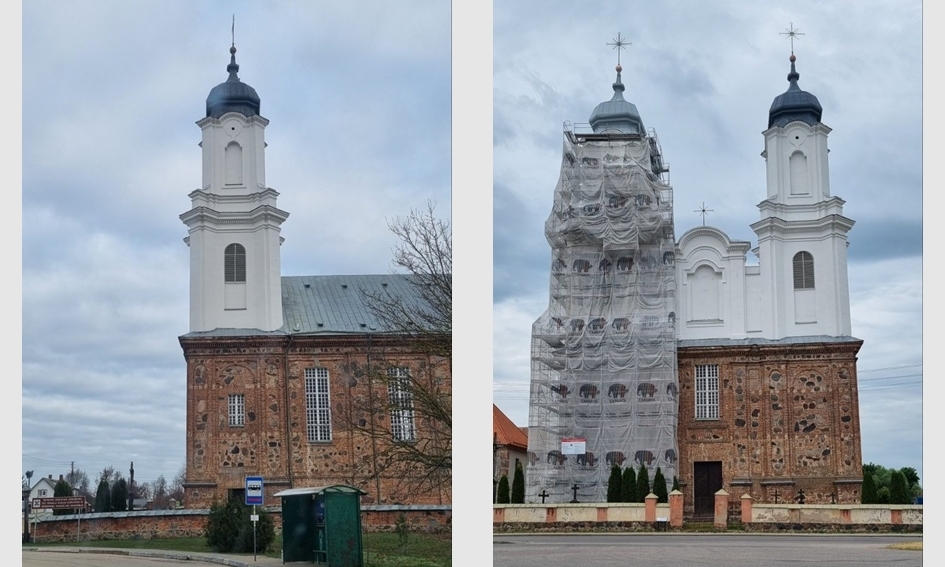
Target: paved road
x: 99, y: 557
x: 701, y: 550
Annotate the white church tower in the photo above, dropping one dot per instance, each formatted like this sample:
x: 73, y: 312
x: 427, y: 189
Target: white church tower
x: 234, y: 224
x: 799, y: 287
x: 802, y: 234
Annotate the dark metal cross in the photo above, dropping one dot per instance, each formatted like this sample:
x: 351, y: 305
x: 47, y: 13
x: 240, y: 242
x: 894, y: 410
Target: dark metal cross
x: 792, y: 34
x: 543, y: 494
x: 800, y: 496
x: 574, y: 488
x: 619, y: 43
x: 775, y: 495
x: 703, y: 211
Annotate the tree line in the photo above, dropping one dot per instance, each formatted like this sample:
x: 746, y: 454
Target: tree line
x: 889, y: 486
x: 112, y: 491
x: 622, y: 486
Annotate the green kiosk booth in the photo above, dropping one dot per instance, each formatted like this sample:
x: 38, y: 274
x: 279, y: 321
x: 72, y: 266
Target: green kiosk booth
x: 322, y: 525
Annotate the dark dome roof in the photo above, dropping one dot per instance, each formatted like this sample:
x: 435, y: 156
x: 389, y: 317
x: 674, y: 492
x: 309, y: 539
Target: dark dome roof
x: 232, y: 95
x: 617, y: 113
x: 794, y: 104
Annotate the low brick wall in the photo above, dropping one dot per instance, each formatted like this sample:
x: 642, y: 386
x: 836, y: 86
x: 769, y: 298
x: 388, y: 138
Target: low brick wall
x: 582, y: 516
x: 729, y: 510
x: 874, y: 514
x: 156, y: 524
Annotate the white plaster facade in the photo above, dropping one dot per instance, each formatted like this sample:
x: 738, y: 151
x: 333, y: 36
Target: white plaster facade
x: 720, y: 296
x: 234, y: 206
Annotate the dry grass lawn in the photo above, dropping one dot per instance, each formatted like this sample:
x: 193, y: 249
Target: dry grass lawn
x: 910, y: 546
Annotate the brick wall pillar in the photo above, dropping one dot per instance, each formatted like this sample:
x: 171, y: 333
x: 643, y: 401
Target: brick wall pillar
x: 498, y: 515
x: 650, y: 514
x: 721, y: 509
x: 746, y: 508
x: 675, y: 508
x: 895, y: 516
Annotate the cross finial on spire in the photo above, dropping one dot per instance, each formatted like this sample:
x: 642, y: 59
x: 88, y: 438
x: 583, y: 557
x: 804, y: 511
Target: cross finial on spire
x: 792, y: 34
x: 703, y: 211
x: 619, y: 43
x: 233, y: 30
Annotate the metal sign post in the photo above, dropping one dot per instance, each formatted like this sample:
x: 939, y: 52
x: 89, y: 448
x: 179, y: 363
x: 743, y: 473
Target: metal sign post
x: 254, y: 497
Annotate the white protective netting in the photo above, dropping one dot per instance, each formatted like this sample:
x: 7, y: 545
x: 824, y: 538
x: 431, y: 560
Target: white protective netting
x: 603, y: 364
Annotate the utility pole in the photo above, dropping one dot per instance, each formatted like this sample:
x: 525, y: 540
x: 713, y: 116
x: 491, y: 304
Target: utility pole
x: 26, y: 506
x: 131, y: 488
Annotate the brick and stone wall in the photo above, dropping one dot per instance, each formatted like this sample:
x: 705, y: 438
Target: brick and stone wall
x: 273, y: 443
x: 788, y: 421
x: 751, y: 516
x: 156, y: 524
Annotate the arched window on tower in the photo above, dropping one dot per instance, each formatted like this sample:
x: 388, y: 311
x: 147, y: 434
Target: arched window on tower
x: 803, y: 271
x: 234, y: 263
x: 800, y: 180
x: 233, y: 162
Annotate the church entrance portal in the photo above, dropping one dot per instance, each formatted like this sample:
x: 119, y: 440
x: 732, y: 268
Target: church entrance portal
x: 707, y: 478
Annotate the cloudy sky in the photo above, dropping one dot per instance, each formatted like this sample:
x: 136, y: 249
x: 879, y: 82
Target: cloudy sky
x: 703, y: 75
x: 358, y: 95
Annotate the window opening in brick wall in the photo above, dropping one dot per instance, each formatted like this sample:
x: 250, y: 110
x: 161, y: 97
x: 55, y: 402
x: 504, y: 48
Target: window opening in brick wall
x: 317, y: 405
x: 237, y: 410
x: 400, y: 395
x: 707, y: 391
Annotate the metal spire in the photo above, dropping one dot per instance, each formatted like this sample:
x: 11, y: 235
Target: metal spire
x: 792, y: 34
x: 619, y: 43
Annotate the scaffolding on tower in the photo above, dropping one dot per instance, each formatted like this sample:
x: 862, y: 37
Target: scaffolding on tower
x: 603, y: 355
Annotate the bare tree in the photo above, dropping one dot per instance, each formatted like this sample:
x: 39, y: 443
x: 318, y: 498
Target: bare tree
x: 141, y: 490
x: 160, y: 493
x: 78, y: 479
x: 425, y: 252
x: 176, y: 490
x: 407, y: 408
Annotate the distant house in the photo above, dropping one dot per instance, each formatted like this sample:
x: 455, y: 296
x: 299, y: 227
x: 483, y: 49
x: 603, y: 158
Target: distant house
x: 44, y: 488
x: 510, y: 444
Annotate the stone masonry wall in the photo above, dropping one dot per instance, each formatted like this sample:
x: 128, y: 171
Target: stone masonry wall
x: 788, y: 421
x: 158, y: 524
x: 273, y: 442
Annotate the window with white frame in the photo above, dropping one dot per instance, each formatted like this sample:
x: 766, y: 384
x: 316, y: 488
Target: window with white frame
x: 237, y: 410
x: 803, y: 271
x: 707, y: 391
x: 317, y: 405
x: 234, y: 263
x: 400, y: 395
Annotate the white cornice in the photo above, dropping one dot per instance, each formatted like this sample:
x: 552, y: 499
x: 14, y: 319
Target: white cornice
x: 829, y: 223
x: 207, y: 217
x: 731, y: 246
x: 211, y: 121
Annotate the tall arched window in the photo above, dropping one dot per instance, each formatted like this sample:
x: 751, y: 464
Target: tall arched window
x: 234, y: 263
x: 803, y: 271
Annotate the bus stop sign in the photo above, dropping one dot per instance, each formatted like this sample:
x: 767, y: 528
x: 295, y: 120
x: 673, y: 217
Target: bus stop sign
x: 254, y: 491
